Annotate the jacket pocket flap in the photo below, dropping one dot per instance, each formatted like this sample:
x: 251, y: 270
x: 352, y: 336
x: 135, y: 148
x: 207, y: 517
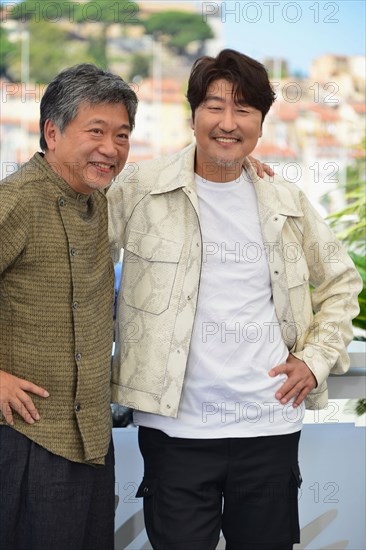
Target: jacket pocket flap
x: 297, y: 274
x: 153, y: 248
x: 297, y: 475
x: 147, y: 488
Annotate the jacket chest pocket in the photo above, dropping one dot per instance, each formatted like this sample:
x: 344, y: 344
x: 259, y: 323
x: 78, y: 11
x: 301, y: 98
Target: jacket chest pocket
x: 299, y: 291
x: 297, y: 273
x: 149, y: 270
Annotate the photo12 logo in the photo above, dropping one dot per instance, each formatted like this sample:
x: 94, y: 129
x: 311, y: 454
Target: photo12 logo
x: 271, y: 12
x: 74, y: 12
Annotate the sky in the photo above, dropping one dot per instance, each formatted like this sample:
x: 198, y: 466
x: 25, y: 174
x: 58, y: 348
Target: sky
x: 296, y: 31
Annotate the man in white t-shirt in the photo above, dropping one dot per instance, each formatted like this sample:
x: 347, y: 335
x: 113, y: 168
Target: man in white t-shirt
x: 219, y: 346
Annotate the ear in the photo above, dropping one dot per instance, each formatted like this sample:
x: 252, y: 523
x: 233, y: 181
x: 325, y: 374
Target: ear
x: 192, y: 125
x: 50, y: 134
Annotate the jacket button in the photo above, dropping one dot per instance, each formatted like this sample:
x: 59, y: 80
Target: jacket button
x: 75, y: 305
x: 73, y: 251
x: 276, y: 272
x: 61, y: 201
x: 77, y: 407
x: 78, y: 356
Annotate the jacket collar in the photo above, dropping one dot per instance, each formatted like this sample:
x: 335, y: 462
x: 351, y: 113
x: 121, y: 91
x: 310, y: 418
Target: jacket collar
x: 179, y: 173
x: 272, y: 195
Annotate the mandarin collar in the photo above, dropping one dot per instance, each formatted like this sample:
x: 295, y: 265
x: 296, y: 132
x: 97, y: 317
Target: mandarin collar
x: 62, y: 184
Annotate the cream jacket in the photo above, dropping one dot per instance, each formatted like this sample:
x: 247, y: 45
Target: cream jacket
x: 154, y: 216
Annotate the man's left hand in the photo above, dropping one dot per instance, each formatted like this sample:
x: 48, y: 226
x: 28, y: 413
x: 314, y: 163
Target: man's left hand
x: 261, y: 167
x: 300, y: 380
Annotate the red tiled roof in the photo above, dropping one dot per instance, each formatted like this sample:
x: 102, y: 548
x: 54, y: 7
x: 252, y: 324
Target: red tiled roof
x: 326, y: 114
x: 285, y: 111
x: 31, y: 125
x: 328, y: 141
x: 270, y: 150
x: 169, y: 90
x: 360, y: 108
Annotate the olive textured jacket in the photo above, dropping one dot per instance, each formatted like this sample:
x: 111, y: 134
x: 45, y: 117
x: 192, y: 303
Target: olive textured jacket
x: 154, y: 215
x: 56, y: 308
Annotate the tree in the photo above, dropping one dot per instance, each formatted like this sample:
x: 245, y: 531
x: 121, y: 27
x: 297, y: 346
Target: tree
x: 140, y: 65
x: 105, y: 13
x: 181, y: 28
x: 41, y: 12
x: 101, y: 13
x: 350, y: 224
x: 7, y: 50
x: 50, y: 51
x: 51, y: 47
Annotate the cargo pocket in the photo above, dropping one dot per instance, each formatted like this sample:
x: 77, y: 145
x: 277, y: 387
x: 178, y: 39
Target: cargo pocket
x: 148, y: 491
x: 295, y: 485
x: 297, y: 479
x: 147, y: 488
x: 150, y: 266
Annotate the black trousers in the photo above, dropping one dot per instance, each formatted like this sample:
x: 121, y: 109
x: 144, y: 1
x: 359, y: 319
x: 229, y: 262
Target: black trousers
x: 192, y: 488
x: 50, y: 503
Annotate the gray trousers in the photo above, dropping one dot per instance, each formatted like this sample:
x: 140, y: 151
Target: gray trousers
x: 50, y: 503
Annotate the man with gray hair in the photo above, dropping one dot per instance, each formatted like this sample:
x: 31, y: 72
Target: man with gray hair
x: 56, y: 315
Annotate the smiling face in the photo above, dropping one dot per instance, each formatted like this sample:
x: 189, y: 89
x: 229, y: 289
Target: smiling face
x: 226, y: 132
x: 92, y: 149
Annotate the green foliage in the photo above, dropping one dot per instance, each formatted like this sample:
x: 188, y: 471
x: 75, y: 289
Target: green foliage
x: 360, y: 263
x: 107, y: 12
x: 361, y: 407
x: 40, y: 16
x: 351, y: 220
x: 350, y: 225
x: 97, y: 51
x: 40, y: 12
x: 182, y: 28
x: 140, y: 65
x: 97, y: 11
x: 7, y: 50
x: 49, y: 52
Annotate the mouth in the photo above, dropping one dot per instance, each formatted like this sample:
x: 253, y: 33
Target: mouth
x: 227, y: 140
x: 103, y: 166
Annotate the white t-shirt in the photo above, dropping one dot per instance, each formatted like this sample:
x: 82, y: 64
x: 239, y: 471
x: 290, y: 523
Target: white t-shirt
x: 236, y: 336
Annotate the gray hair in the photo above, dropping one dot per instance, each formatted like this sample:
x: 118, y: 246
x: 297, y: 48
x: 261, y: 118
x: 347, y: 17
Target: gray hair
x: 83, y: 83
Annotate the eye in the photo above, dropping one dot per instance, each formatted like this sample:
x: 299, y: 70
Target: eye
x: 243, y: 108
x: 123, y: 136
x: 96, y: 131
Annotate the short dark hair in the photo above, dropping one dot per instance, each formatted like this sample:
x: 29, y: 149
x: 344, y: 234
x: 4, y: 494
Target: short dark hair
x: 249, y: 79
x: 83, y: 83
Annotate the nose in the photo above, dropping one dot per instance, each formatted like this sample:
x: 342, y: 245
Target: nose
x: 107, y: 146
x: 228, y: 122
